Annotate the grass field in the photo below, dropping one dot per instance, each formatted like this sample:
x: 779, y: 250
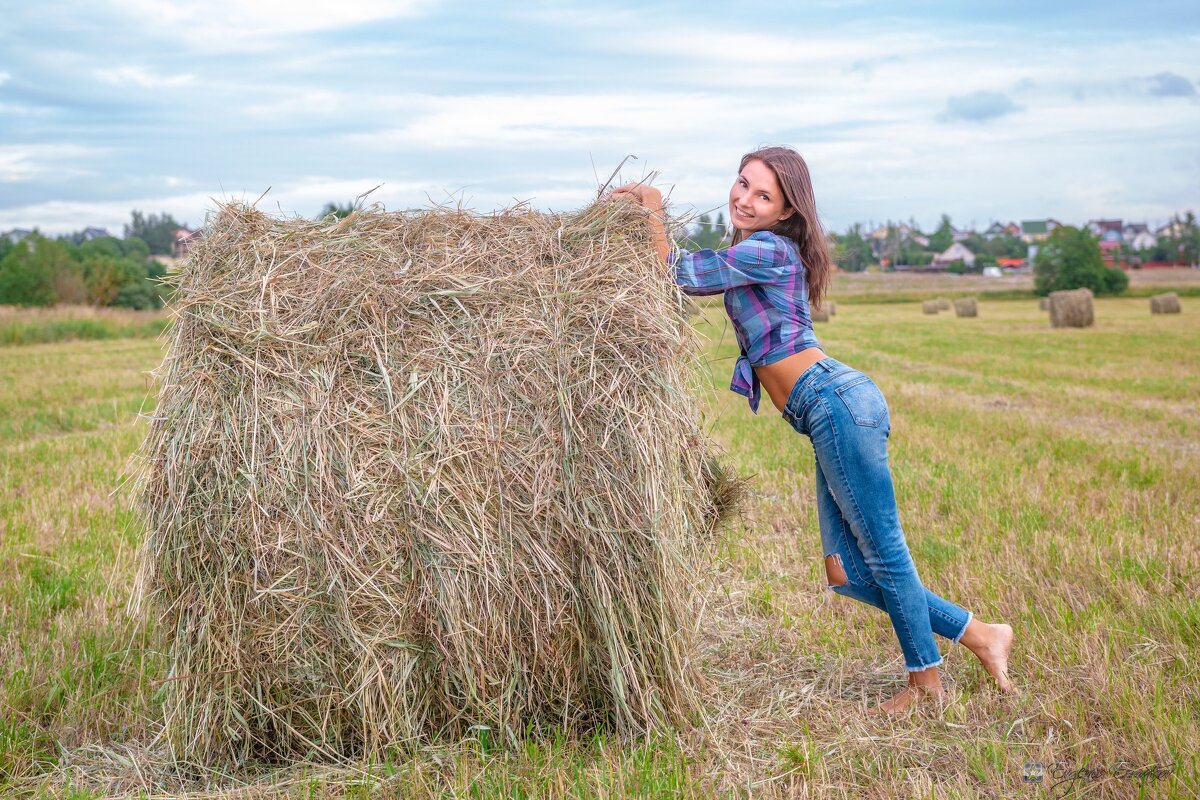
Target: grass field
x: 1047, y: 478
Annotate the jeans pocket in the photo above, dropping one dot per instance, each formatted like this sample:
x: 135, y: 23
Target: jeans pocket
x: 864, y: 401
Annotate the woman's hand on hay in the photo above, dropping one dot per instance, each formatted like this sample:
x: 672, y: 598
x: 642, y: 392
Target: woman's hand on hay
x: 646, y: 196
x: 652, y: 200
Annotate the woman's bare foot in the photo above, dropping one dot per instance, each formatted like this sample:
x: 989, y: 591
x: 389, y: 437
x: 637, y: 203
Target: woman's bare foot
x: 908, y: 698
x: 992, y: 645
x: 923, y: 685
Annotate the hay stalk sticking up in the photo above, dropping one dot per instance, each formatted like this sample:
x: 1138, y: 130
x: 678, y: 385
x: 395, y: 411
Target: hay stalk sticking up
x: 1071, y: 308
x: 412, y: 473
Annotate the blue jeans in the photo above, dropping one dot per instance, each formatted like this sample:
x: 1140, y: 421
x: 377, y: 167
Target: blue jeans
x: 866, y: 557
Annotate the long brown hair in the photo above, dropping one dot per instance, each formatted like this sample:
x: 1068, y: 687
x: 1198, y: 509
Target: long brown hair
x: 802, y: 227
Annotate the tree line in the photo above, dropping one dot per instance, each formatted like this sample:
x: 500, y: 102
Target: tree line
x: 105, y: 271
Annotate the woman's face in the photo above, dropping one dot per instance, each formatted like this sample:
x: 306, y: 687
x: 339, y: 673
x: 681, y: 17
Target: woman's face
x: 756, y: 202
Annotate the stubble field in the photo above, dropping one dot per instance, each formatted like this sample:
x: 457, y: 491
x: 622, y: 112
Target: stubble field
x: 1046, y: 478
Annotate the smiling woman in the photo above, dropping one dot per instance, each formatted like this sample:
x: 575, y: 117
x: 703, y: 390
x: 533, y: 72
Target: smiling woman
x: 779, y: 263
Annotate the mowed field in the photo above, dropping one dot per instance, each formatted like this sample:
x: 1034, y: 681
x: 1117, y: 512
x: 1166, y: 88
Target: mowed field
x: 1046, y: 478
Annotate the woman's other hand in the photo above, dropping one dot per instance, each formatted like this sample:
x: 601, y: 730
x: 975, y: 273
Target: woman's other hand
x: 652, y: 200
x: 646, y: 196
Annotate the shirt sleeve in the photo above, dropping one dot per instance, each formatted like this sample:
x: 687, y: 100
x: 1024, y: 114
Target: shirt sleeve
x: 762, y: 257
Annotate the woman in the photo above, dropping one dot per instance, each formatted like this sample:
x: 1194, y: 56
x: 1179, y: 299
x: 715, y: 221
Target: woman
x: 778, y: 263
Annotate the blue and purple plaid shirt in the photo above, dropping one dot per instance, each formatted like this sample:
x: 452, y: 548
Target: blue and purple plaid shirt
x: 766, y: 297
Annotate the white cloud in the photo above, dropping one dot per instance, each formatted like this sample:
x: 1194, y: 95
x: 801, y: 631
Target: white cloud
x: 138, y: 76
x: 41, y: 161
x: 304, y: 197
x: 4, y: 77
x: 237, y: 25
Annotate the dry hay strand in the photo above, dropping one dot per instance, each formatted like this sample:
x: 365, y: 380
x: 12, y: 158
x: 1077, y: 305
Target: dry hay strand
x: 966, y: 307
x: 1043, y: 304
x: 929, y: 306
x: 1167, y: 303
x: 1071, y: 308
x: 412, y: 474
x: 819, y: 314
x: 943, y: 304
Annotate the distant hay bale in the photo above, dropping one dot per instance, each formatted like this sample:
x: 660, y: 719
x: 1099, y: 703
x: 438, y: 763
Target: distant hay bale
x: 411, y: 473
x: 1165, y: 304
x: 1043, y: 303
x: 966, y: 307
x: 1071, y: 309
x: 832, y: 308
x: 929, y: 306
x: 819, y: 314
x: 943, y: 304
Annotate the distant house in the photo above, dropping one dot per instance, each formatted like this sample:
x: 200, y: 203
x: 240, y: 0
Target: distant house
x: 1037, y: 230
x: 1138, y: 236
x: 1172, y: 230
x: 1107, y: 230
x: 17, y: 234
x: 90, y: 233
x: 994, y: 231
x: 184, y: 239
x: 960, y: 236
x: 1012, y: 264
x: 955, y: 252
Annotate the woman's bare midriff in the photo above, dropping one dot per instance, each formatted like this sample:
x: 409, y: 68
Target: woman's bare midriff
x: 778, y: 378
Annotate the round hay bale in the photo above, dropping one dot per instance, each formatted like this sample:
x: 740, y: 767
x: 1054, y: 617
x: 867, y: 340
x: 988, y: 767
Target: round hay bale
x: 966, y: 307
x: 1043, y: 304
x: 416, y: 472
x: 943, y: 304
x: 1167, y: 303
x: 1072, y: 309
x: 832, y: 308
x: 929, y: 306
x: 819, y: 314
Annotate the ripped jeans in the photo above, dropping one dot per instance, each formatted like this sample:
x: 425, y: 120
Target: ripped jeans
x: 866, y: 556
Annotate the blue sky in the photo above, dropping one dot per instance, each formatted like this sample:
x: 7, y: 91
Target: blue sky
x: 985, y: 110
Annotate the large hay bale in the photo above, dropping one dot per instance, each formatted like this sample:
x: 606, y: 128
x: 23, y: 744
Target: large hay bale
x: 929, y: 306
x: 1167, y: 303
x: 943, y: 303
x: 966, y: 307
x: 411, y: 473
x: 1071, y: 308
x: 819, y: 314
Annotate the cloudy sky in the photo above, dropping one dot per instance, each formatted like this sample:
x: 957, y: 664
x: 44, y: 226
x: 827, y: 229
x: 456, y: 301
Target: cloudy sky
x: 986, y: 110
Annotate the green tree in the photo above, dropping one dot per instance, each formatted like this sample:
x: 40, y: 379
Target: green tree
x: 943, y: 237
x: 851, y: 251
x: 156, y: 230
x: 707, y: 232
x: 1070, y: 259
x: 339, y: 211
x: 34, y: 270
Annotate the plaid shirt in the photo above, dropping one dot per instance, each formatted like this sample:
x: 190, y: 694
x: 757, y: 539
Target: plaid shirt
x: 766, y: 297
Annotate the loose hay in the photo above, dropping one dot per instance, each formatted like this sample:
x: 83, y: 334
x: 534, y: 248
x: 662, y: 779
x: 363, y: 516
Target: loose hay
x: 1071, y: 308
x: 414, y: 473
x: 966, y: 307
x: 1167, y: 303
x: 929, y: 306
